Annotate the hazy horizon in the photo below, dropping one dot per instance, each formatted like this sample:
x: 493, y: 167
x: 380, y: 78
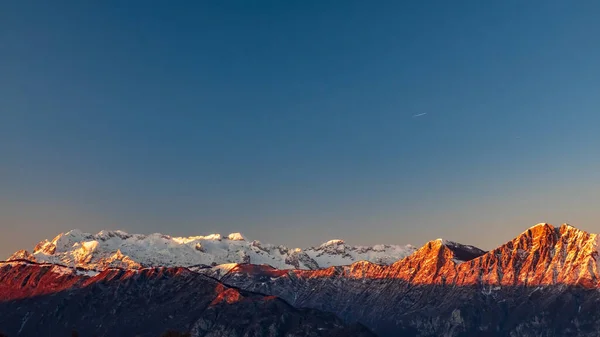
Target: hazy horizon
x: 296, y: 123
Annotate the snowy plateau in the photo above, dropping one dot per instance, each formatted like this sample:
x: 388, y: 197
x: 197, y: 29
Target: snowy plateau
x: 120, y: 249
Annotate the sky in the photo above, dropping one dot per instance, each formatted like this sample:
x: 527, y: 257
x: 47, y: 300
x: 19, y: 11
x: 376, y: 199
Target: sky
x: 296, y: 122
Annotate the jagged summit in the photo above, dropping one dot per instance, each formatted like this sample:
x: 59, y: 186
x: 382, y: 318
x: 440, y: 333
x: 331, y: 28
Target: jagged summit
x: 540, y: 228
x: 116, y: 248
x: 541, y: 255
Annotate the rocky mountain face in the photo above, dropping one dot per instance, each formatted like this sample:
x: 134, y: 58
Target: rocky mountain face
x: 53, y: 300
x: 117, y: 249
x: 545, y: 282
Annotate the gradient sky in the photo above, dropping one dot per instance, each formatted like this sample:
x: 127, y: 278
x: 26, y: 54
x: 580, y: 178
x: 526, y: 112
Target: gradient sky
x: 292, y: 121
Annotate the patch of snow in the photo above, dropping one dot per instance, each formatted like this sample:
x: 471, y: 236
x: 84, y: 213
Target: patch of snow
x: 60, y: 270
x: 89, y: 273
x: 23, y: 322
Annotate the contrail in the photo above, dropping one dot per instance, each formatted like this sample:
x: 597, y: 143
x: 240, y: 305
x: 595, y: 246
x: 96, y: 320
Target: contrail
x: 421, y: 114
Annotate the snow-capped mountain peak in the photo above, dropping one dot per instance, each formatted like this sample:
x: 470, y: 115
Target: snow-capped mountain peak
x: 116, y: 248
x: 334, y: 242
x: 236, y: 237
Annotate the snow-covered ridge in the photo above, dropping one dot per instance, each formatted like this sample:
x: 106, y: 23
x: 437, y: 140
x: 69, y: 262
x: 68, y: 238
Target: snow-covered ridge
x: 120, y: 249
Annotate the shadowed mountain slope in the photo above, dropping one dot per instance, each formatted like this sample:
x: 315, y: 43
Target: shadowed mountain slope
x: 53, y: 300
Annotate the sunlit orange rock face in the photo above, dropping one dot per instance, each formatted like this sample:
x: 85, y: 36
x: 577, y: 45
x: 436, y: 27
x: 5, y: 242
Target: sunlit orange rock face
x: 227, y: 295
x: 542, y: 255
x: 19, y: 280
x: 435, y: 263
x: 258, y: 269
x: 326, y: 272
x: 365, y: 269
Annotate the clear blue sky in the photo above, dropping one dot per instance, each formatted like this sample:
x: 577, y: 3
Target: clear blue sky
x: 293, y: 121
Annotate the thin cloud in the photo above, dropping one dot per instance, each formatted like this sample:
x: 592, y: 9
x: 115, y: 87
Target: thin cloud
x: 421, y: 114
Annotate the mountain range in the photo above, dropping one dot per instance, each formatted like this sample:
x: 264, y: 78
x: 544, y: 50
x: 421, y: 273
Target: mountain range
x: 120, y: 249
x: 544, y: 282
